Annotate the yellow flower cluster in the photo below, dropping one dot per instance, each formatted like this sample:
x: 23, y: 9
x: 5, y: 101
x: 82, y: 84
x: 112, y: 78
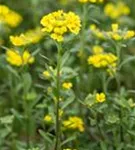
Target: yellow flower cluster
x: 67, y: 85
x: 115, y: 34
x: 58, y: 23
x: 118, y: 34
x: 100, y: 59
x: 9, y: 17
x: 74, y: 123
x: 16, y: 59
x: 29, y: 37
x: 117, y: 10
x: 91, y: 1
x: 100, y: 97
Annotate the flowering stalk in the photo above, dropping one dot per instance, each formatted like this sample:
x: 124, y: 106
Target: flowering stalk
x: 62, y: 23
x: 57, y: 145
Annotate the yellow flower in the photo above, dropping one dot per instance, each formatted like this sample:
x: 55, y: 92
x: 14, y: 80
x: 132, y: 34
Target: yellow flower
x: 102, y: 60
x: 67, y: 85
x: 91, y: 1
x: 34, y: 35
x: 96, y: 31
x: 118, y: 34
x: 115, y: 33
x: 29, y: 37
x: 129, y: 34
x: 131, y: 102
x: 97, y: 49
x: 60, y: 112
x: 27, y: 58
x: 93, y: 27
x: 69, y: 149
x: 74, y: 123
x: 58, y: 23
x: 46, y: 74
x: 100, y: 97
x: 117, y: 10
x: 9, y: 17
x: 14, y: 57
x: 18, y: 40
x: 115, y: 27
x: 83, y: 1
x: 48, y: 118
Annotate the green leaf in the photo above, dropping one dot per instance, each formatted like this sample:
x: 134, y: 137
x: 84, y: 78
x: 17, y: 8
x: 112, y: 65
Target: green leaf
x: 68, y: 140
x: 131, y: 58
x: 27, y: 82
x: 65, y: 57
x: 13, y: 71
x: 131, y: 133
x: 17, y: 115
x: 36, y: 52
x: 68, y: 102
x: 47, y: 137
x: 103, y: 145
x: 121, y: 146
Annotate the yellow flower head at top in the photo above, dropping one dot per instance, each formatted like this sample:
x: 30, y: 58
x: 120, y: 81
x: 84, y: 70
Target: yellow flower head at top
x: 117, y: 10
x: 100, y: 97
x: 59, y: 23
x: 67, y: 85
x: 9, y: 17
x: 74, y: 123
x: 16, y: 59
x: 29, y: 37
x: 91, y: 1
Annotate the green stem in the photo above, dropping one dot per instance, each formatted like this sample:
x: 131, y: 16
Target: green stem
x: 121, y: 127
x: 104, y: 82
x: 57, y: 146
x: 118, y: 52
x: 27, y: 122
x: 83, y: 33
